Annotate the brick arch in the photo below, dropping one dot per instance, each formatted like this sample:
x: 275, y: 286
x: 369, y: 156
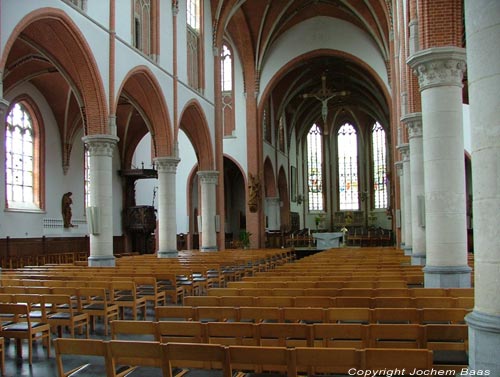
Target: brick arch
x: 269, y: 179
x: 68, y: 50
x: 195, y: 126
x: 143, y: 88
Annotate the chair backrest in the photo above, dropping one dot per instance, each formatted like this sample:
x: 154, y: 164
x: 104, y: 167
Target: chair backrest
x: 396, y: 336
x: 135, y: 354
x: 138, y: 329
x: 175, y: 313
x: 396, y: 315
x: 196, y: 355
x: 284, y: 334
x: 258, y: 359
x: 390, y: 358
x: 232, y: 333
x: 180, y: 331
x: 259, y: 313
x: 84, y: 347
x: 345, y: 335
x: 349, y: 315
x: 315, y: 360
x: 216, y: 313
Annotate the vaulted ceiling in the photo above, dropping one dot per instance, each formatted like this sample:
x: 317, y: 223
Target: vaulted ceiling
x: 252, y: 27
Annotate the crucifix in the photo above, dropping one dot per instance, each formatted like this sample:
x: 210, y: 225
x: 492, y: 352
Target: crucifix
x: 324, y: 95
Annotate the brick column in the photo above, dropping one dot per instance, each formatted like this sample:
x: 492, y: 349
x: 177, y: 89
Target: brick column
x: 167, y: 225
x: 404, y: 149
x: 208, y: 182
x: 483, y: 57
x: 440, y: 72
x: 414, y: 124
x: 100, y: 209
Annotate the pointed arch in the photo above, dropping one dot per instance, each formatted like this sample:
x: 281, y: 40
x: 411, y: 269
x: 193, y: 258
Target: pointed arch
x: 269, y: 179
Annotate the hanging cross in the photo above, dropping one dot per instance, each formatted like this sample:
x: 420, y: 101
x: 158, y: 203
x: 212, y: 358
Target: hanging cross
x: 324, y: 95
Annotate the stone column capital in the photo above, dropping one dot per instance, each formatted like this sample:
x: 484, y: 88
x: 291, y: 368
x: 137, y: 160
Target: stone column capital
x: 413, y: 122
x: 100, y: 145
x: 208, y: 177
x: 399, y: 168
x: 404, y: 150
x: 438, y: 66
x: 166, y: 164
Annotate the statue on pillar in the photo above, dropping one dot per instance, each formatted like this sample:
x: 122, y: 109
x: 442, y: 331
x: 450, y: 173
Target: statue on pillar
x: 66, y: 203
x: 253, y: 193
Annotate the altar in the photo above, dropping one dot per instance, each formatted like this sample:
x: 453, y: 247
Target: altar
x: 327, y: 240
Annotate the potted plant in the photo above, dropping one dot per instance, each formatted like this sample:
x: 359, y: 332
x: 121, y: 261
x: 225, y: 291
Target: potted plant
x: 245, y: 239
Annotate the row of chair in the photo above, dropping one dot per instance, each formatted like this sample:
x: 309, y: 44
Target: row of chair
x: 169, y: 357
x: 258, y: 314
x: 352, y: 291
x: 328, y: 301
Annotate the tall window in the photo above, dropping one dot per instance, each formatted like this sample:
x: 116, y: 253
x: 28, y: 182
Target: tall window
x: 226, y: 69
x: 347, y: 141
x: 315, y: 168
x: 379, y: 166
x: 19, y: 159
x: 194, y: 43
x: 142, y: 25
x: 82, y: 4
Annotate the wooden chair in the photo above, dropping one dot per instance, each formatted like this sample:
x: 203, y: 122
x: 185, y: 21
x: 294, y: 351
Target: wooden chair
x: 86, y: 348
x: 196, y: 355
x: 258, y: 359
x: 393, y: 302
x: 126, y: 356
x: 353, y: 302
x: 22, y: 327
x: 340, y: 335
x: 395, y: 336
x: 136, y: 330
x: 59, y: 313
x: 167, y: 283
x: 392, y: 359
x: 320, y: 360
x: 284, y: 335
x: 180, y: 332
x: 232, y: 333
x: 257, y: 314
x: 147, y: 287
x: 124, y: 294
x: 94, y: 301
x: 216, y: 313
x: 450, y: 344
x: 443, y: 315
x: 396, y: 315
x: 348, y: 315
x: 201, y: 301
x: 304, y: 315
x: 236, y: 301
x: 276, y: 301
x: 313, y: 301
x: 175, y: 313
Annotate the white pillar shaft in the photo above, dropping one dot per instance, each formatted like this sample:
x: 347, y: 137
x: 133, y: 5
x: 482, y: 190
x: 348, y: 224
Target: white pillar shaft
x: 414, y: 124
x: 399, y: 171
x: 440, y: 72
x: 100, y: 149
x: 273, y: 213
x: 208, y: 182
x: 483, y: 57
x: 167, y: 225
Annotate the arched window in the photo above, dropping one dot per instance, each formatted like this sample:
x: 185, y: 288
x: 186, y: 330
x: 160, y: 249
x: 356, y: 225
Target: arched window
x: 315, y: 169
x: 347, y: 142
x: 142, y: 25
x: 194, y: 47
x: 226, y: 70
x: 379, y: 166
x: 22, y: 189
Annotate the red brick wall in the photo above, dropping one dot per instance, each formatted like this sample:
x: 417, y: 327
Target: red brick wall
x: 440, y: 23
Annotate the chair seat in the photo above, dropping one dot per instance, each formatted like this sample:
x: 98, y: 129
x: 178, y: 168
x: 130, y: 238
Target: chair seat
x: 96, y: 306
x: 22, y: 326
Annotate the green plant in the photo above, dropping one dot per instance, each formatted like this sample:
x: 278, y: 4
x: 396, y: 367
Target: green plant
x: 245, y: 238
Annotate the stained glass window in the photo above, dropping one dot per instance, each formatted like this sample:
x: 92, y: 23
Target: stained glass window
x: 379, y: 166
x: 193, y: 14
x: 347, y: 141
x: 315, y: 169
x: 142, y: 25
x: 193, y: 39
x: 19, y: 153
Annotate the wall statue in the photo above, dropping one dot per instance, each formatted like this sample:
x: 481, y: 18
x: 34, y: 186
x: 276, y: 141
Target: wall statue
x: 253, y: 193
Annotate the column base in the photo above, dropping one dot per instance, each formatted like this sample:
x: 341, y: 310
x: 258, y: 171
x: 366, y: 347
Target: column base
x: 209, y: 248
x: 447, y: 276
x: 418, y: 260
x: 407, y: 249
x: 167, y: 254
x: 101, y: 261
x: 484, y: 343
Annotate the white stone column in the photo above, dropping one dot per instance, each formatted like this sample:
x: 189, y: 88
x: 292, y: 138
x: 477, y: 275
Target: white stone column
x: 483, y: 56
x: 414, y: 124
x: 399, y: 171
x: 404, y: 150
x: 4, y: 105
x: 273, y: 213
x: 100, y: 207
x: 167, y: 225
x: 208, y: 183
x: 440, y: 71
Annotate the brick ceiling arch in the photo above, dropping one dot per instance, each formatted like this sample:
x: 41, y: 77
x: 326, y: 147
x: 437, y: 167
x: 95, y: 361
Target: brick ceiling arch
x: 141, y: 108
x: 48, y: 50
x: 195, y: 126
